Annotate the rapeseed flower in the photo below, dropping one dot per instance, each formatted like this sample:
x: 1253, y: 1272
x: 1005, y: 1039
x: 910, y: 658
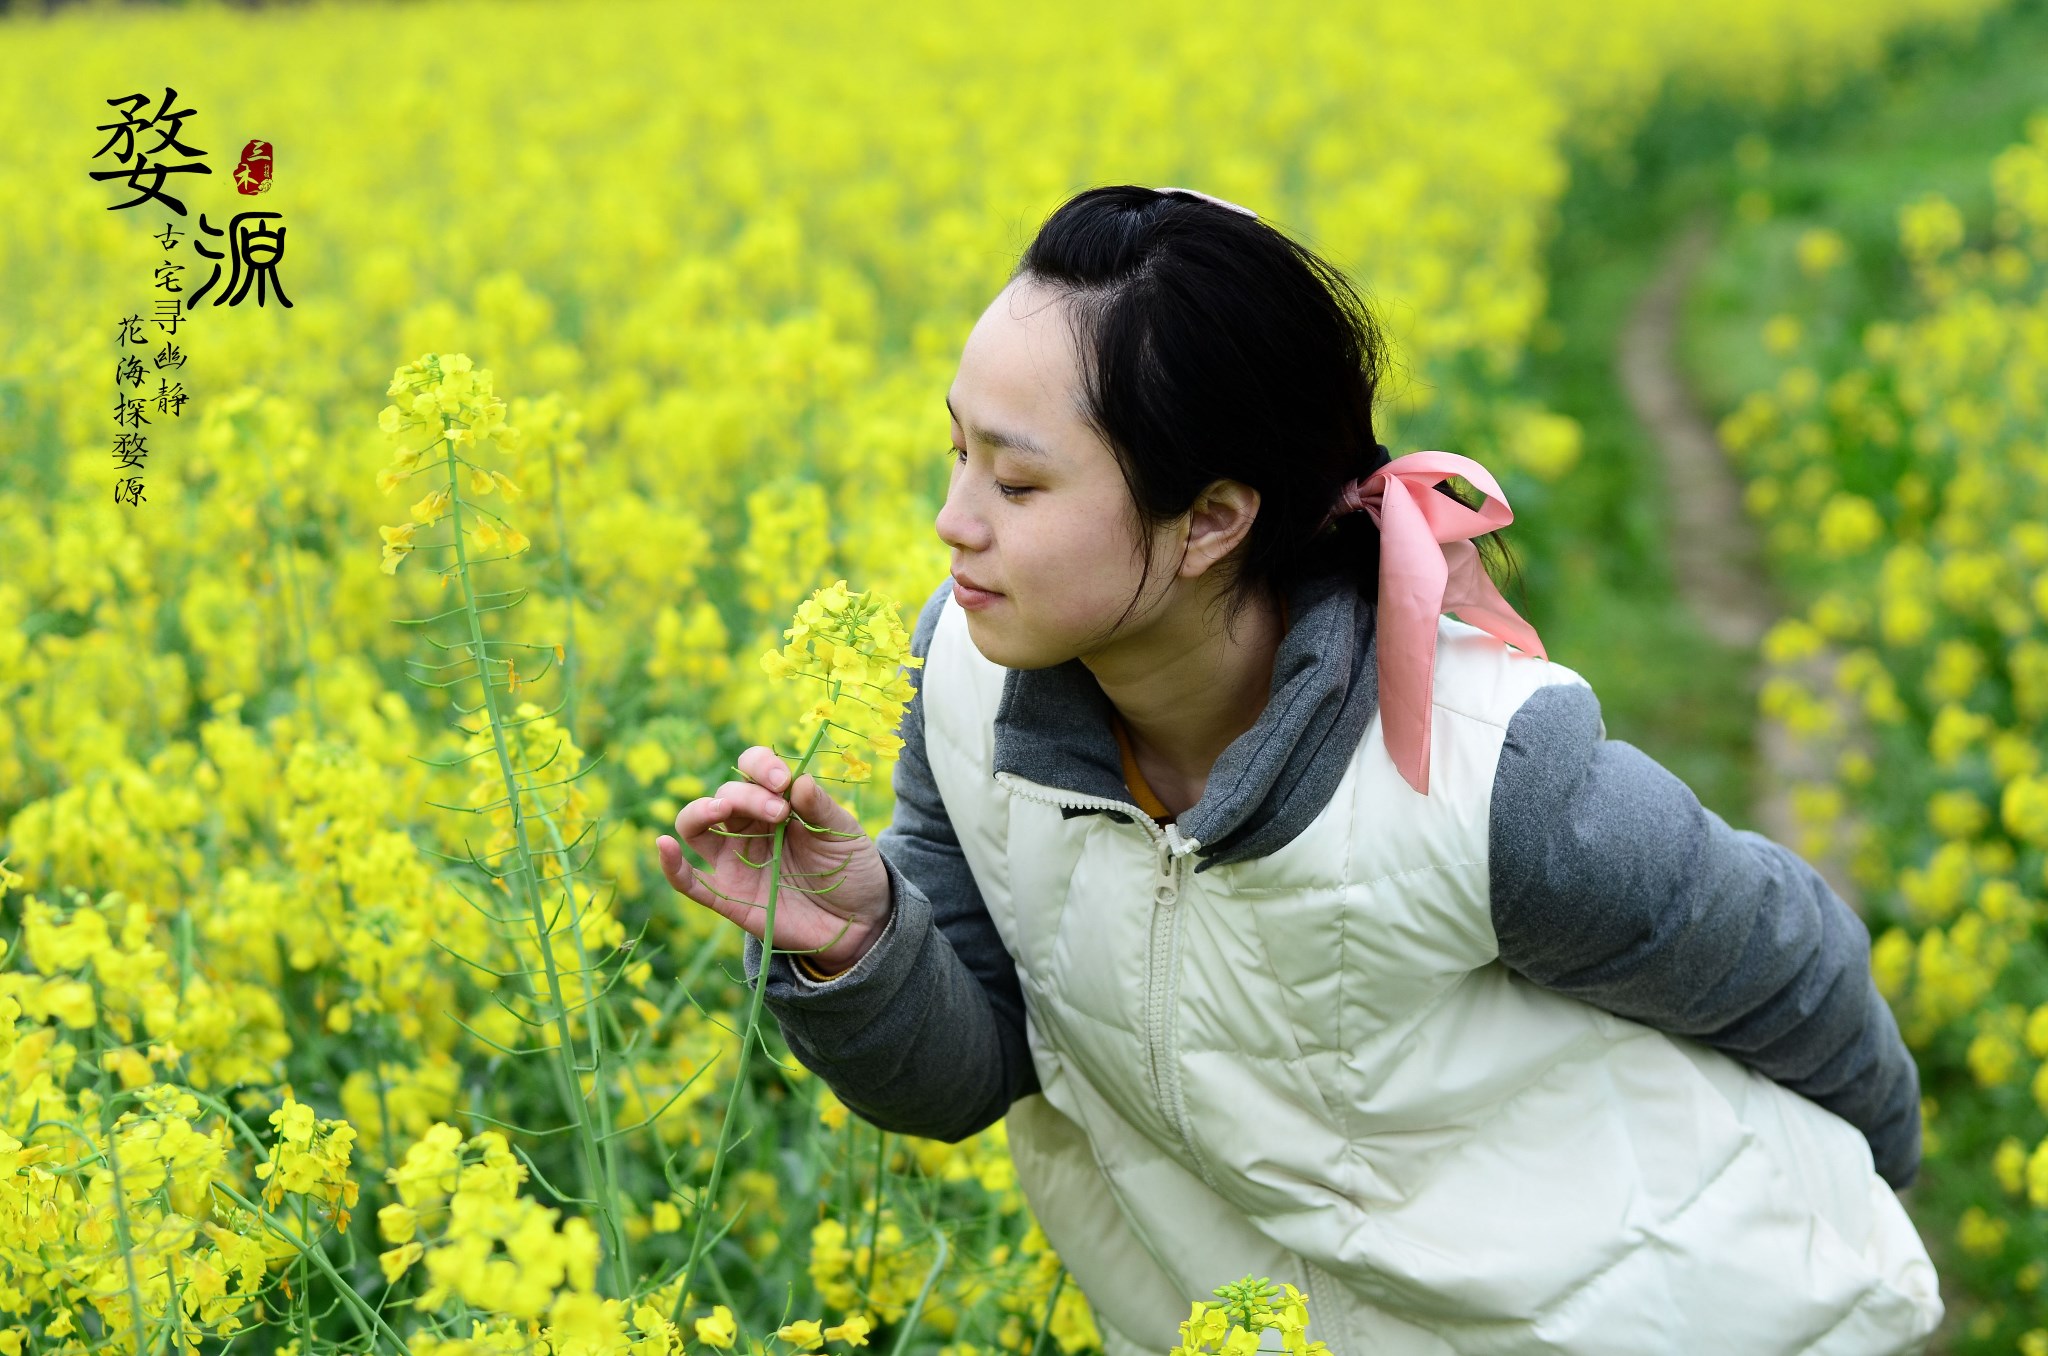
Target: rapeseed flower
x: 804, y: 1334
x: 853, y: 1332
x: 719, y: 1329
x: 444, y: 400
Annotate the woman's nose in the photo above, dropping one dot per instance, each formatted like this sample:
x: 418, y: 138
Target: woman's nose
x: 957, y: 527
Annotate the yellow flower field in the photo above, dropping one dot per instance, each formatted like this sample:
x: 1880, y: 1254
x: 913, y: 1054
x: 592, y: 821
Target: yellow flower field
x: 343, y: 994
x: 1907, y: 491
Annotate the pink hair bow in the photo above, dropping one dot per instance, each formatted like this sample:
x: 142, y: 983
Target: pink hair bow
x: 1429, y: 566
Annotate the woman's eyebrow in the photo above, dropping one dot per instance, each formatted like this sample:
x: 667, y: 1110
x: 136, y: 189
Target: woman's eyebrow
x: 1015, y: 442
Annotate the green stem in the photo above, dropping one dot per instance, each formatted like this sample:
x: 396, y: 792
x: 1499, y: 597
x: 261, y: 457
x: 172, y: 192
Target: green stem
x: 383, y: 1101
x: 1045, y: 1320
x: 367, y: 1319
x: 302, y: 1303
x: 108, y: 1129
x: 917, y: 1306
x: 297, y: 603
x: 569, y: 660
x: 867, y: 1285
x: 565, y: 1045
x: 600, y: 1082
x: 708, y: 1197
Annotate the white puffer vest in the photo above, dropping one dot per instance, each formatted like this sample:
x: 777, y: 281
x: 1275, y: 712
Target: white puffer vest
x: 1311, y: 1066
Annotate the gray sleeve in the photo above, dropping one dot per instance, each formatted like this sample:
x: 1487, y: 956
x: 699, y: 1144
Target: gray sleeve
x: 925, y: 1036
x: 1613, y: 884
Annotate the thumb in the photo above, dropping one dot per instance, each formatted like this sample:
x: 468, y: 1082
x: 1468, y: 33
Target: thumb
x: 816, y: 804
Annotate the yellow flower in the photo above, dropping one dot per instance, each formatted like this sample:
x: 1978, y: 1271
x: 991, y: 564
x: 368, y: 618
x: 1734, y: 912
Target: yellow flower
x: 70, y: 1002
x: 719, y: 1329
x: 401, y: 468
x: 854, y: 645
x: 2037, y: 1032
x: 1818, y: 250
x: 1849, y: 523
x: 1991, y: 1058
x: 1781, y: 334
x: 431, y: 506
x: 1957, y: 814
x: 1790, y: 640
x: 1205, y: 1323
x: 1980, y: 1234
x: 2037, y: 1175
x: 1891, y: 962
x: 1929, y: 227
x: 2009, y: 1165
x: 853, y: 1332
x: 1547, y: 445
x: 2023, y: 809
x: 804, y: 1333
x: 397, y: 1222
x: 398, y: 1259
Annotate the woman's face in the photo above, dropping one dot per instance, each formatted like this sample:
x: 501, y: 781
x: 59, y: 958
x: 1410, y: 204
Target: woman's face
x: 1049, y: 531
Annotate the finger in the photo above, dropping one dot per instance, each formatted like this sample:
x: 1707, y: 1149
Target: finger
x: 762, y: 764
x: 817, y: 806
x: 674, y: 866
x: 693, y: 886
x: 749, y: 799
x: 695, y: 820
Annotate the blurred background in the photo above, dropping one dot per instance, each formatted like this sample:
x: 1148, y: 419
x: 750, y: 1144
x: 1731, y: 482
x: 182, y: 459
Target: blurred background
x: 1743, y: 305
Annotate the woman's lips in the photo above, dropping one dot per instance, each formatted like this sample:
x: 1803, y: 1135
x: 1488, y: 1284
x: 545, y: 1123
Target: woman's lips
x: 970, y: 597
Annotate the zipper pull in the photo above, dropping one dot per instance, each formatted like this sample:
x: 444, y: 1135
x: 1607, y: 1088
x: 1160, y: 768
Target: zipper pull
x: 1165, y: 889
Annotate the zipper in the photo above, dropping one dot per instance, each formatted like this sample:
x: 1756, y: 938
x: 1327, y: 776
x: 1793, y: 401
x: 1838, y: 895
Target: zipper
x: 1167, y: 837
x: 1161, y: 972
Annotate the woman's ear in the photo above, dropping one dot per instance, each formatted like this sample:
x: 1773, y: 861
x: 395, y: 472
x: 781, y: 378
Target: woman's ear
x: 1219, y: 519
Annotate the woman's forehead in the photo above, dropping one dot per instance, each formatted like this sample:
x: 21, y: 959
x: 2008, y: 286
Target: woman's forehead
x: 1019, y: 375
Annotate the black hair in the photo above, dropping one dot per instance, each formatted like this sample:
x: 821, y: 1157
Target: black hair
x: 1214, y: 347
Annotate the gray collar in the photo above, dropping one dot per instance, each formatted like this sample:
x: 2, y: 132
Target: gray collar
x: 1053, y: 727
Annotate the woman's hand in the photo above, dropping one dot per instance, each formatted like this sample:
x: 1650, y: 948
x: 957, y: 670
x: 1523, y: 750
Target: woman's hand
x: 835, y: 890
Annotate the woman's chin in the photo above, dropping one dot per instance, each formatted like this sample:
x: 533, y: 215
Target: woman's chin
x: 988, y: 639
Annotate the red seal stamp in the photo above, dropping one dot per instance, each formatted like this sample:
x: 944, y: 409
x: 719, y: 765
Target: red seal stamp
x: 253, y: 174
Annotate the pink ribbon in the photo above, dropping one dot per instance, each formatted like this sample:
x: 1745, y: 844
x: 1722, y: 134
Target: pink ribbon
x: 1429, y: 566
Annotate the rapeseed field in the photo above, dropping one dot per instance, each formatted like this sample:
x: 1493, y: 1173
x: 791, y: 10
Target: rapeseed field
x: 342, y: 1007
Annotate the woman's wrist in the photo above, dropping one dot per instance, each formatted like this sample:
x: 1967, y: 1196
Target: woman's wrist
x: 823, y: 966
x: 810, y: 968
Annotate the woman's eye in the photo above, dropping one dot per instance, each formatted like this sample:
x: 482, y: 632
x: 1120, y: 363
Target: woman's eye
x: 1007, y: 491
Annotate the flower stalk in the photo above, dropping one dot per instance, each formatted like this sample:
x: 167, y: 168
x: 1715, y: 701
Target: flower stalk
x: 855, y: 645
x: 455, y: 404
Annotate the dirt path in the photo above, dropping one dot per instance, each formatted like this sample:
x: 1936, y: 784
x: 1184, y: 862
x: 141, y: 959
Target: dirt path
x: 1716, y: 558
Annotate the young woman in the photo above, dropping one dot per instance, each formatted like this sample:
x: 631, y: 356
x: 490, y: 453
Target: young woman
x: 1297, y: 928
